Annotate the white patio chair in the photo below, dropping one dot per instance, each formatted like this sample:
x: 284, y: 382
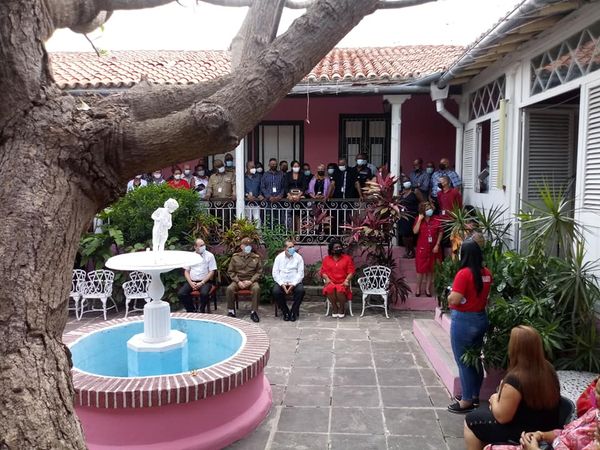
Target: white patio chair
x: 376, y: 281
x: 136, y: 289
x: 349, y: 303
x: 98, y: 287
x: 77, y: 278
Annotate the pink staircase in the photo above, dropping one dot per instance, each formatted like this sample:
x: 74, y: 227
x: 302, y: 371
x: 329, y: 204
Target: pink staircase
x: 406, y: 268
x: 434, y: 337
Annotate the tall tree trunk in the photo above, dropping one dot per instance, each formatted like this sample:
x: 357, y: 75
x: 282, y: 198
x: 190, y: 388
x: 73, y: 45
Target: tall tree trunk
x: 45, y: 203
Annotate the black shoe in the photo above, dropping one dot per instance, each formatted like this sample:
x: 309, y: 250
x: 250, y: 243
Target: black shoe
x: 457, y: 409
x: 231, y: 314
x: 286, y: 317
x: 254, y: 317
x: 458, y: 398
x: 292, y: 317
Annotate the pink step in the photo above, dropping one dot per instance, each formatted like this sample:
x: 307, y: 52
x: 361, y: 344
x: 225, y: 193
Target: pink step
x: 417, y: 304
x: 443, y: 319
x: 435, y: 342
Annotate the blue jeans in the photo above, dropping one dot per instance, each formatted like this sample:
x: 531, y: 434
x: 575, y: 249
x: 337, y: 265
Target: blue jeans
x: 466, y: 331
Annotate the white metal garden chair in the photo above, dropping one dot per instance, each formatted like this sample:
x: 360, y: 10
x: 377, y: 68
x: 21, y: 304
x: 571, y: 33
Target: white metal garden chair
x: 376, y: 281
x: 136, y: 289
x: 77, y: 278
x: 349, y: 303
x: 98, y: 287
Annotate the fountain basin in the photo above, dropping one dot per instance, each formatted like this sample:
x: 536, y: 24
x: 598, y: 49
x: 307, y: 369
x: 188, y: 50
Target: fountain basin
x: 222, y: 398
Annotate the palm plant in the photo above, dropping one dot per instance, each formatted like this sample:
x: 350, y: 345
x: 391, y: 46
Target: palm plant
x: 492, y: 224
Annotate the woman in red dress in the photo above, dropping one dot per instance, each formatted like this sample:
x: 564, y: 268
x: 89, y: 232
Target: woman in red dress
x: 337, y: 271
x: 429, y: 230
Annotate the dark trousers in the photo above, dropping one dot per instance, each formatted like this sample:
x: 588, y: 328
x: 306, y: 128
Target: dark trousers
x: 298, y: 295
x: 188, y: 301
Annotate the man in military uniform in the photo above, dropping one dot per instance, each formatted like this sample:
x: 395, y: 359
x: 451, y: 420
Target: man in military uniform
x: 221, y: 184
x: 245, y: 269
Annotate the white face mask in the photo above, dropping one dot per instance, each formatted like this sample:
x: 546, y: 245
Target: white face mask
x: 330, y: 171
x: 201, y: 249
x: 342, y: 168
x: 177, y: 176
x: 407, y: 184
x: 221, y: 169
x: 253, y: 171
x: 229, y: 163
x: 296, y: 169
x: 259, y: 170
x: 360, y: 162
x: 157, y: 175
x: 201, y: 173
x: 187, y: 172
x: 429, y: 170
x: 247, y: 248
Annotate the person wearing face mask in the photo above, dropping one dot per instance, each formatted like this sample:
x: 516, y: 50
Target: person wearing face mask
x: 229, y: 166
x: 188, y: 175
x: 295, y: 182
x: 444, y: 171
x: 307, y: 173
x: 252, y: 192
x: 409, y: 206
x: 429, y: 233
x: 345, y: 181
x: 201, y: 180
x: 337, y: 272
x: 136, y: 182
x: 420, y: 179
x: 157, y: 177
x: 363, y: 173
x: 272, y: 183
x: 320, y: 186
x: 259, y: 168
x: 178, y: 182
x: 283, y: 166
x: 199, y: 277
x: 288, y: 273
x: 245, y: 270
x: 448, y: 197
x: 221, y: 184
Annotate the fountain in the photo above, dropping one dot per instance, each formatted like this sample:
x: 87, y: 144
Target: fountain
x: 171, y: 381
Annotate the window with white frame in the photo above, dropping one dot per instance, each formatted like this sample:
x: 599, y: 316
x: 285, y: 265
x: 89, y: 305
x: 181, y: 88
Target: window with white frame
x: 482, y: 160
x: 365, y: 134
x: 487, y: 99
x: 280, y: 140
x: 573, y: 58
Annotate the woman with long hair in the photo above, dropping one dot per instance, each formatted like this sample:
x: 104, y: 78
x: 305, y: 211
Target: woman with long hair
x: 467, y: 301
x: 429, y: 250
x: 527, y: 400
x: 337, y: 271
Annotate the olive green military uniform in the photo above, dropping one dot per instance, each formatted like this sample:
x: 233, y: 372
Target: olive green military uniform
x: 221, y: 185
x: 243, y: 267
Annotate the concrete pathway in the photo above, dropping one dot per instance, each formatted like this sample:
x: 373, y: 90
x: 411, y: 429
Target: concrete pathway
x: 352, y: 383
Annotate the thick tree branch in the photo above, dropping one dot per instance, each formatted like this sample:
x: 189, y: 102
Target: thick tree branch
x: 303, y: 4
x: 258, y: 30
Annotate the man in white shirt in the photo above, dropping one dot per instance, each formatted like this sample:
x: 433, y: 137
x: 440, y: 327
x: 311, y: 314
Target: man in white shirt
x: 136, y: 182
x: 288, y: 272
x: 199, y: 278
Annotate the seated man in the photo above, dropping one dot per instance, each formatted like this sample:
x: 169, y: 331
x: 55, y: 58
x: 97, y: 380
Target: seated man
x: 288, y: 272
x: 245, y: 269
x: 199, y: 278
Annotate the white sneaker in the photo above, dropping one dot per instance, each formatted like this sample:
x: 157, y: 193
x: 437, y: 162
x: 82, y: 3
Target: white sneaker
x: 334, y: 315
x: 341, y: 316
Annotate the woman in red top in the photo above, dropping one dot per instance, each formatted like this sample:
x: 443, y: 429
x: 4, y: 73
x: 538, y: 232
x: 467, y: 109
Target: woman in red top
x: 429, y: 231
x: 177, y: 182
x: 337, y: 271
x: 468, y: 300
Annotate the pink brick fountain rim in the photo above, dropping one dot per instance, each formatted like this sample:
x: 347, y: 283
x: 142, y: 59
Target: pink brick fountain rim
x: 142, y: 392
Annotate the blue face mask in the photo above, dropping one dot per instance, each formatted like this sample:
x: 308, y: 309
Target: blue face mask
x: 307, y: 173
x: 429, y: 212
x: 291, y: 251
x: 407, y: 184
x: 229, y: 163
x: 360, y: 162
x: 247, y: 248
x: 429, y: 170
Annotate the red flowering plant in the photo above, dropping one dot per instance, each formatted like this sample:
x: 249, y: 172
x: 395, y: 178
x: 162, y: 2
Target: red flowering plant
x: 372, y: 232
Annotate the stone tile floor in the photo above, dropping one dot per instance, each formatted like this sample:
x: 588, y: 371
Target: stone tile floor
x: 352, y: 383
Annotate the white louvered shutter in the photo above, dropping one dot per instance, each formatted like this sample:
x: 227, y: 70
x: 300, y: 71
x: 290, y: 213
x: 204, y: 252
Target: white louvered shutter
x: 591, y: 189
x: 494, y: 154
x: 468, y: 158
x: 549, y: 152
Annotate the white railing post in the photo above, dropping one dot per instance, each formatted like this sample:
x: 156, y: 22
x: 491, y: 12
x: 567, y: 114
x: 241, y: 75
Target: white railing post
x: 239, y: 180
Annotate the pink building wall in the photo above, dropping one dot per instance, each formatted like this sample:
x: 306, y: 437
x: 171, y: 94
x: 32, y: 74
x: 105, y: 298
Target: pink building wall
x: 424, y: 132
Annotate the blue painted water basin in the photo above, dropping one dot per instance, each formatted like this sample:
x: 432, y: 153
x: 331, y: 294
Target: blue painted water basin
x: 104, y: 352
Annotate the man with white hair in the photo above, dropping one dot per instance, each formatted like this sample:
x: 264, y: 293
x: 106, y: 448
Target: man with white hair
x: 288, y: 273
x: 199, y: 277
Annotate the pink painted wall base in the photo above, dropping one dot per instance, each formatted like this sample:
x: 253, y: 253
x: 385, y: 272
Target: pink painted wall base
x: 207, y: 424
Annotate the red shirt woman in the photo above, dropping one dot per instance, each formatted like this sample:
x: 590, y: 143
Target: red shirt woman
x: 178, y: 182
x: 337, y: 271
x: 464, y: 284
x: 429, y: 233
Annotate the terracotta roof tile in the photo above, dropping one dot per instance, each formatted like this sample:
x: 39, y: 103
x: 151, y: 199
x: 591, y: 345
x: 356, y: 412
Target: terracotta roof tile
x: 124, y: 69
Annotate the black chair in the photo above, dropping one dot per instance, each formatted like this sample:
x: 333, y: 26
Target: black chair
x: 566, y: 411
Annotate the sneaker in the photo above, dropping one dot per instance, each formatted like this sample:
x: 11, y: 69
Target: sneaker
x: 254, y: 317
x: 341, y: 316
x: 231, y: 313
x: 334, y: 315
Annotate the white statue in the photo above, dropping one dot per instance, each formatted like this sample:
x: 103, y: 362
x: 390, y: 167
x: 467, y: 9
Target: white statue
x: 162, y: 224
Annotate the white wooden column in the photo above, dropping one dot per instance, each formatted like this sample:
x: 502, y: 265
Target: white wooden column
x: 240, y: 167
x: 395, y: 143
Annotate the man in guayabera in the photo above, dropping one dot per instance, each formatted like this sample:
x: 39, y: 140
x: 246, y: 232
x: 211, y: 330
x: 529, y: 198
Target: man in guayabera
x: 245, y: 270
